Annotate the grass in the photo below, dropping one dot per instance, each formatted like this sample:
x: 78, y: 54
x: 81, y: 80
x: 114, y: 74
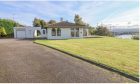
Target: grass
x: 118, y: 53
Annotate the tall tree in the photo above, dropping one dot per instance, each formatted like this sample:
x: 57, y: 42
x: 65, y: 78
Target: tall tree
x: 103, y: 31
x: 36, y: 22
x: 91, y: 29
x: 52, y: 22
x: 39, y: 23
x: 78, y: 20
x: 43, y: 24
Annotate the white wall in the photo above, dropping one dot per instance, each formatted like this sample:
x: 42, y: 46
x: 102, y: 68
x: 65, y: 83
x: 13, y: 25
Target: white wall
x: 30, y: 31
x: 81, y: 32
x: 15, y: 36
x: 65, y: 33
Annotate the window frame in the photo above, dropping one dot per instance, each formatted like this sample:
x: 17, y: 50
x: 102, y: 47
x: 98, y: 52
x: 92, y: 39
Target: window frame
x: 44, y: 32
x: 72, y: 32
x: 53, y: 32
x: 77, y: 32
x: 58, y: 31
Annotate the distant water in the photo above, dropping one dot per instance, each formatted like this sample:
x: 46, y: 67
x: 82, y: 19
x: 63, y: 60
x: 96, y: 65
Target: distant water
x: 124, y: 36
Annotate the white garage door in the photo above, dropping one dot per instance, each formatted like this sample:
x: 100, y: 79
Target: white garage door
x: 20, y: 34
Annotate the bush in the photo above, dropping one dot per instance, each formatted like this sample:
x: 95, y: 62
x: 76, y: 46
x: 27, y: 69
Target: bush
x: 8, y: 25
x: 2, y: 32
x: 103, y: 31
x: 135, y: 37
x: 91, y: 30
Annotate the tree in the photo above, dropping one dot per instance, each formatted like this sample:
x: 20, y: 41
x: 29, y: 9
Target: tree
x: 78, y: 20
x: 92, y: 30
x: 103, y: 31
x: 135, y: 37
x: 36, y: 22
x: 8, y: 25
x: 2, y: 32
x: 43, y: 24
x: 52, y: 22
x: 39, y: 23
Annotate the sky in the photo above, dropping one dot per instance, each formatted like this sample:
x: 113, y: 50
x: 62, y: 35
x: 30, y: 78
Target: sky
x: 92, y: 12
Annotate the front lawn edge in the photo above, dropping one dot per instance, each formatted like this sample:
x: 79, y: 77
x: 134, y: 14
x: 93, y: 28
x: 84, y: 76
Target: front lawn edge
x: 95, y: 63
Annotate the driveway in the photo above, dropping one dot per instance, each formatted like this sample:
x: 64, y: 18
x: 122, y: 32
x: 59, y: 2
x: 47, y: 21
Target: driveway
x: 25, y: 62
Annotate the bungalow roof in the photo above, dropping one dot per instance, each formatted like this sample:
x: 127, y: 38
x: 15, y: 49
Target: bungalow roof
x: 66, y: 24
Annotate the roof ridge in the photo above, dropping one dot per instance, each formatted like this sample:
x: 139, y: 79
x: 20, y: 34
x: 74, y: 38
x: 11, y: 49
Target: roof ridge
x: 65, y: 24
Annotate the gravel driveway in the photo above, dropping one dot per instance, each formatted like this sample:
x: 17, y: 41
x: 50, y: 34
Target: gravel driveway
x: 25, y: 62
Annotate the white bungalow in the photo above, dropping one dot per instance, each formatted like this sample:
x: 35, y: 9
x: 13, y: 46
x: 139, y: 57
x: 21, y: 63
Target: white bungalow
x: 64, y: 30
x: 61, y: 30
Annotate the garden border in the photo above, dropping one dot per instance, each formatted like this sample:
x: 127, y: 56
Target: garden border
x: 95, y: 63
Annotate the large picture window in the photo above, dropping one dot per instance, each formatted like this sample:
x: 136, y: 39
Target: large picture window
x: 53, y: 32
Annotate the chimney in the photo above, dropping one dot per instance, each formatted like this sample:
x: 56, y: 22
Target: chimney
x: 61, y: 19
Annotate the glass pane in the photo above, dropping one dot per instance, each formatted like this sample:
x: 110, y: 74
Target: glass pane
x: 43, y: 31
x: 77, y: 32
x: 58, y: 32
x: 53, y: 32
x: 85, y: 32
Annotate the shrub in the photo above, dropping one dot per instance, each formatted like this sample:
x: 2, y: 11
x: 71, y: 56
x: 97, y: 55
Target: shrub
x: 2, y: 32
x: 8, y: 25
x: 103, y: 31
x: 135, y: 37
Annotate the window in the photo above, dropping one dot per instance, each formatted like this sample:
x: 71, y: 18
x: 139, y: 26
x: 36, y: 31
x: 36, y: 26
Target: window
x: 58, y: 32
x: 84, y: 32
x: 72, y: 32
x: 46, y: 30
x: 77, y: 32
x: 43, y: 31
x: 53, y: 32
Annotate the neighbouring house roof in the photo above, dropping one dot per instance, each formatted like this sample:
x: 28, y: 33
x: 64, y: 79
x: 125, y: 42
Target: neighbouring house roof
x: 66, y: 24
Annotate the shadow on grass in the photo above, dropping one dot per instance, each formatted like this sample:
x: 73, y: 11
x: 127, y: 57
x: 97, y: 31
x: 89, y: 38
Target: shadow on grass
x: 94, y: 37
x: 31, y: 39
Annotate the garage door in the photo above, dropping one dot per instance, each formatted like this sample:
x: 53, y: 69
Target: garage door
x: 20, y: 34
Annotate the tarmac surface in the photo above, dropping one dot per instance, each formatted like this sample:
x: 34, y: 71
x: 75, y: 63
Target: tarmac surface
x: 22, y: 61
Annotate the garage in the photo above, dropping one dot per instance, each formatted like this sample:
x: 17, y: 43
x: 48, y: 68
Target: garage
x: 20, y: 34
x: 28, y: 32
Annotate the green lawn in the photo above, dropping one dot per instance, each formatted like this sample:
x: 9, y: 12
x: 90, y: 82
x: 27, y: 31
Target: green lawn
x: 118, y: 53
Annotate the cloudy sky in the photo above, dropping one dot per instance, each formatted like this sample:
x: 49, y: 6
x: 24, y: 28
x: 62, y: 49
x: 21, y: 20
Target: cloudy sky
x: 92, y: 12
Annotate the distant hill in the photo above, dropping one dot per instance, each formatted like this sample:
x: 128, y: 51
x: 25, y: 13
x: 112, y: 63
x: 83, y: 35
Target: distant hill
x: 133, y: 29
x: 125, y: 30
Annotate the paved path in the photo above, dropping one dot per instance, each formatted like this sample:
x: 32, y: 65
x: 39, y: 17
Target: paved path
x: 24, y: 61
